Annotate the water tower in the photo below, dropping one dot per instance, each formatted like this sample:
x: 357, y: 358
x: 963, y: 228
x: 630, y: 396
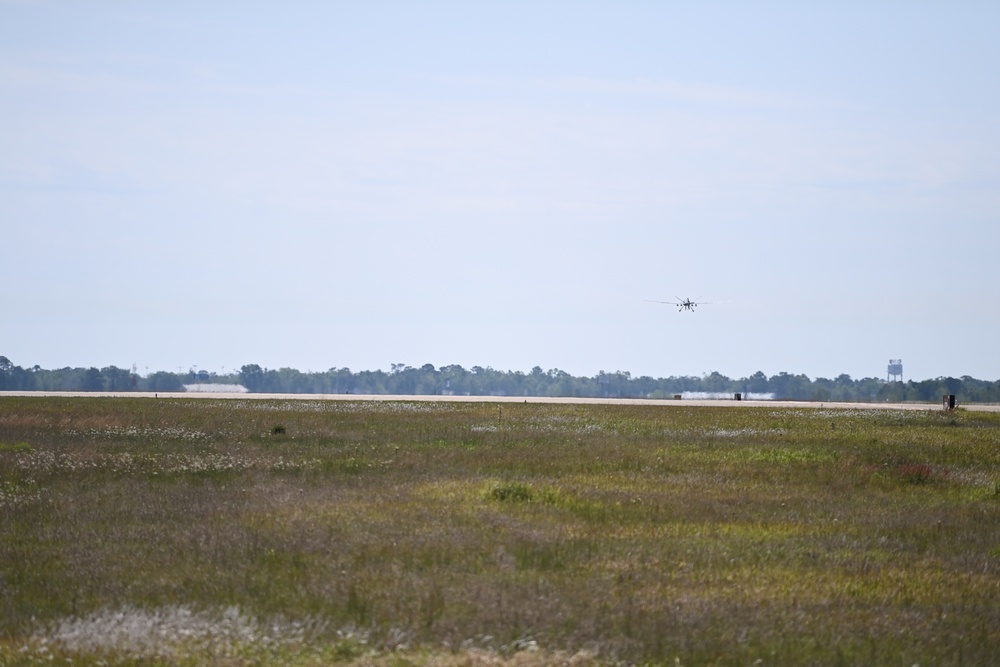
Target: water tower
x: 895, y: 370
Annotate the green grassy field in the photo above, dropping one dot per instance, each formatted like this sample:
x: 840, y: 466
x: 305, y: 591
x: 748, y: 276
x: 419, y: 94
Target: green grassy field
x: 178, y: 531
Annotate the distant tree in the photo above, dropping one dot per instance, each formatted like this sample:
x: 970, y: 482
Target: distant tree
x: 252, y: 377
x: 821, y: 389
x: 290, y: 381
x: 785, y: 385
x: 6, y: 368
x: 479, y: 381
x: 716, y: 382
x: 340, y: 381
x: 866, y: 389
x: 163, y: 381
x: 560, y: 383
x: 117, y: 379
x: 455, y: 379
x: 891, y: 392
x: 757, y: 383
x: 92, y: 380
x: 950, y: 385
x: 15, y: 378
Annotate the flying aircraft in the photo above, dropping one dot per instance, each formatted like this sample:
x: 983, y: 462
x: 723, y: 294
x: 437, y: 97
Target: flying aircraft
x: 682, y: 304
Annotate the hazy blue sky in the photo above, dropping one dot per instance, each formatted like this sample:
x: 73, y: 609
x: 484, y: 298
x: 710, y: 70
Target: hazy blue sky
x: 317, y: 185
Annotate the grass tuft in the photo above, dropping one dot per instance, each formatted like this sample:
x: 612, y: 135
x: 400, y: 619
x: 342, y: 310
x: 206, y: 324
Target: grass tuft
x: 514, y: 492
x: 16, y: 447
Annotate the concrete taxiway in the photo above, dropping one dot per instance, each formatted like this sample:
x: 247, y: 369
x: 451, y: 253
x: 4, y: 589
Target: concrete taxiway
x: 717, y: 403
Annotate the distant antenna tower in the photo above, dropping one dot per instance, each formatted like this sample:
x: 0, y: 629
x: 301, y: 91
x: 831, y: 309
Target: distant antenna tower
x: 895, y: 370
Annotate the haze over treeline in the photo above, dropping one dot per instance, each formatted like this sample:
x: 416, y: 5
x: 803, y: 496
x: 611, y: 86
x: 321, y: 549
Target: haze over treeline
x: 404, y: 380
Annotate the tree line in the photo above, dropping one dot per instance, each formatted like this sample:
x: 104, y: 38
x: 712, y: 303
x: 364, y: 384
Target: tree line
x: 478, y: 381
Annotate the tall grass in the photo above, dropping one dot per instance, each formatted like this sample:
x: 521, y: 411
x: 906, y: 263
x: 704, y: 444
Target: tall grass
x: 181, y: 531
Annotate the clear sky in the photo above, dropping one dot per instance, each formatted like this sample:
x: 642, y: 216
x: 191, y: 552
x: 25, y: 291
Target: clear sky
x: 329, y: 184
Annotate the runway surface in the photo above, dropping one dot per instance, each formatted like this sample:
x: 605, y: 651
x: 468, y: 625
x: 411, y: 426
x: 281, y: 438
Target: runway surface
x: 830, y: 405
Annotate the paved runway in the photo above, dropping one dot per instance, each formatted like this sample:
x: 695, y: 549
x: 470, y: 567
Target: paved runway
x: 986, y: 407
